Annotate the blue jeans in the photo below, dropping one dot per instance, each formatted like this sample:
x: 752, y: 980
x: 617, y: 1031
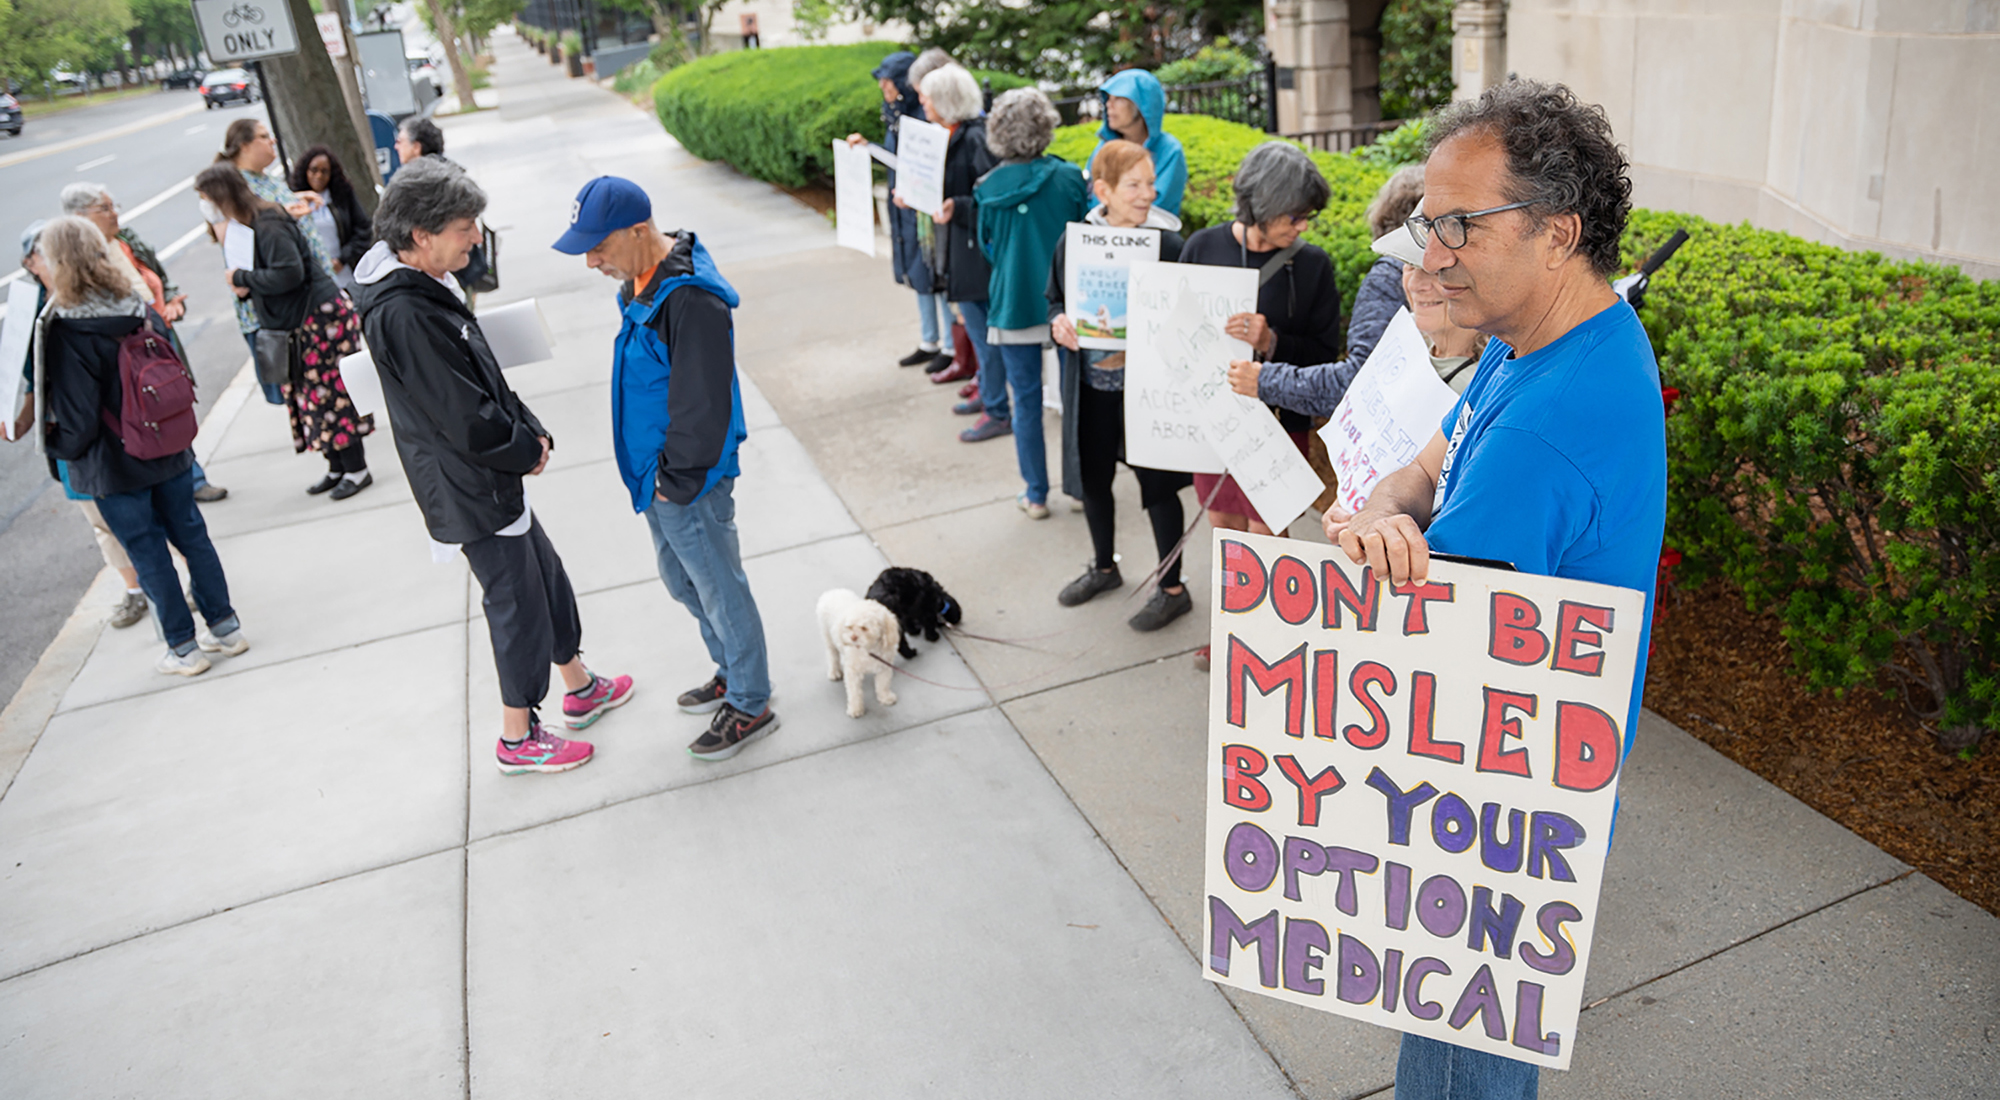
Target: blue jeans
x: 702, y: 568
x: 1430, y: 1070
x: 272, y: 393
x: 934, y: 315
x: 992, y: 382
x: 1022, y: 365
x: 146, y: 521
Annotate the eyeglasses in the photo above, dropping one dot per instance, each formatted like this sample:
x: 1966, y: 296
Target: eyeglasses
x: 1451, y: 227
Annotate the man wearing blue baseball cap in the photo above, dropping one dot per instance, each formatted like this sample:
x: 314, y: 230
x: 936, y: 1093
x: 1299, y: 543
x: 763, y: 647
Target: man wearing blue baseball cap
x: 676, y: 422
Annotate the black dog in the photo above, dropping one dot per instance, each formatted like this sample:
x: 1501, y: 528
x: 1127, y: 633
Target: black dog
x: 920, y: 603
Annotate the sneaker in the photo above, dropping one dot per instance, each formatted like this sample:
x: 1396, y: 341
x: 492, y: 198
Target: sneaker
x: 730, y: 731
x: 323, y: 484
x: 969, y: 407
x: 954, y: 372
x: 209, y: 494
x: 348, y: 487
x: 232, y: 644
x: 1162, y: 609
x: 916, y: 357
x: 130, y: 610
x: 1076, y: 504
x: 1201, y: 659
x: 1035, y: 509
x: 541, y: 751
x: 581, y: 708
x: 705, y: 698
x: 1093, y: 581
x: 191, y: 663
x: 969, y: 391
x: 940, y: 361
x: 987, y: 428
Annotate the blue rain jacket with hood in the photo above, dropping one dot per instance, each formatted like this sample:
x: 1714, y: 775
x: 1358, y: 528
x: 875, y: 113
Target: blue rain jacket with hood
x: 1170, y: 172
x: 906, y: 255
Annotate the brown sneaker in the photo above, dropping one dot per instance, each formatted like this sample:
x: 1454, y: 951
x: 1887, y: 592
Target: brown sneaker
x: 707, y: 697
x: 130, y: 610
x: 731, y: 730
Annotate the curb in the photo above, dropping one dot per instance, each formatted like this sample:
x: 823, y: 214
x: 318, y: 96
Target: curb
x: 35, y: 702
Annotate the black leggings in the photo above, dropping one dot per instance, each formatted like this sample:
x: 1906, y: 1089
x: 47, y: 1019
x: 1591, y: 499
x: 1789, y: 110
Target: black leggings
x: 351, y: 459
x: 1100, y: 436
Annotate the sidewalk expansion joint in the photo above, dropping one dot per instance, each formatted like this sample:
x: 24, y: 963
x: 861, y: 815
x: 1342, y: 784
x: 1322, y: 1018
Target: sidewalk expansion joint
x: 1094, y: 676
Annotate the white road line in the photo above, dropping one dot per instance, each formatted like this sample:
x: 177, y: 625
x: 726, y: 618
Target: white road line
x: 132, y: 215
x: 26, y: 155
x: 199, y: 231
x: 193, y: 130
x: 89, y: 164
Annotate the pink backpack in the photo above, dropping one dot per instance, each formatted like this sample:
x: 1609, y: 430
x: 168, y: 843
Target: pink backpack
x: 157, y: 419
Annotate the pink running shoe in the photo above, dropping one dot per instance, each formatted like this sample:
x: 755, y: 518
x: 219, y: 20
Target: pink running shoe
x: 542, y: 751
x: 581, y: 708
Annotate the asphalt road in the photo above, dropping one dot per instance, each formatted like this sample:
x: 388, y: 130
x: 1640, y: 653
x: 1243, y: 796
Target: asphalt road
x: 143, y: 149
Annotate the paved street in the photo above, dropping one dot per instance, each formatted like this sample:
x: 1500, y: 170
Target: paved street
x: 299, y: 875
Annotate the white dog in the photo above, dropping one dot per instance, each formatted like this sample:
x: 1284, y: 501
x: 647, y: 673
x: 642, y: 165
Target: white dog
x: 861, y: 638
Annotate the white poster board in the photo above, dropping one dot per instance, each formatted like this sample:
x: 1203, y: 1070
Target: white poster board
x: 1164, y: 425
x: 15, y: 332
x: 329, y: 33
x: 920, y: 148
x: 517, y: 333
x: 364, y: 385
x: 245, y: 30
x: 1391, y: 409
x: 1411, y: 790
x: 239, y: 246
x: 853, y: 198
x: 1097, y: 263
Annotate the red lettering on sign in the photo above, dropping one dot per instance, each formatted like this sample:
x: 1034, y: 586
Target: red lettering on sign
x: 1571, y: 619
x: 1514, y: 637
x: 1496, y: 725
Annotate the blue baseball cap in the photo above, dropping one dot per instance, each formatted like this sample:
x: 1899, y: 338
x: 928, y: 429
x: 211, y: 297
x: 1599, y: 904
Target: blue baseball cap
x: 604, y: 206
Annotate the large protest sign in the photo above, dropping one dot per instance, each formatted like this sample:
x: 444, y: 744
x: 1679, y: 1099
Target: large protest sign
x: 15, y: 332
x: 1097, y: 268
x: 1411, y: 788
x: 1392, y: 408
x: 920, y: 149
x: 853, y: 198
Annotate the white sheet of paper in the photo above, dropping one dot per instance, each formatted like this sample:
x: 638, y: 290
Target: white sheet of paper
x: 14, y: 334
x: 853, y: 198
x: 1390, y: 411
x: 887, y: 158
x: 518, y: 333
x: 239, y: 246
x: 1165, y: 427
x: 364, y: 385
x: 920, y: 148
x: 1097, y: 265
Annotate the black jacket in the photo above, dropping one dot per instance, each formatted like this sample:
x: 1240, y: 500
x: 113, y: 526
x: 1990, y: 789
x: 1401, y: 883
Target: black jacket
x: 1301, y: 303
x: 966, y: 159
x: 700, y: 334
x: 287, y: 282
x: 356, y: 229
x: 80, y: 382
x: 464, y: 437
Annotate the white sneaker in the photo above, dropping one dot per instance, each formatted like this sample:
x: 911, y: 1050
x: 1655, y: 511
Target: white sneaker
x: 232, y: 644
x: 174, y: 664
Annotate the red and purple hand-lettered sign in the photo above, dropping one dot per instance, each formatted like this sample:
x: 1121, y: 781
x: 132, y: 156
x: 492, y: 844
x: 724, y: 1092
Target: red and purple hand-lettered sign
x: 1411, y: 790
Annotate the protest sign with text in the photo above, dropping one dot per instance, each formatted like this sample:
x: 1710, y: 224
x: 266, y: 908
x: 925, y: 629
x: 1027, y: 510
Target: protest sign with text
x: 1164, y: 427
x: 920, y: 149
x: 1411, y: 789
x: 1392, y: 408
x: 1097, y: 266
x: 853, y: 198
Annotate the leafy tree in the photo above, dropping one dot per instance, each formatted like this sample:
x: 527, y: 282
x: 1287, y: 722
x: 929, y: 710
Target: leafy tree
x: 81, y: 34
x: 164, y: 27
x: 1416, y: 57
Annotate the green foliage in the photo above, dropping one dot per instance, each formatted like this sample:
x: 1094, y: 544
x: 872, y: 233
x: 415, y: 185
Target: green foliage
x: 1836, y: 455
x: 84, y: 35
x: 1219, y: 61
x: 636, y: 78
x: 1416, y: 57
x: 774, y: 114
x: 1400, y: 146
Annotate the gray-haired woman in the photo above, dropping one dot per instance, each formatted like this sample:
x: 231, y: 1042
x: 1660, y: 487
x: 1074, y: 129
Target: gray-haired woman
x: 951, y: 99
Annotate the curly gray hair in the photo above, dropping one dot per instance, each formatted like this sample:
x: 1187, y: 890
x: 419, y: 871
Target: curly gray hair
x: 428, y: 194
x: 1021, y: 124
x: 1396, y: 201
x: 1561, y: 157
x: 954, y: 95
x: 1277, y: 179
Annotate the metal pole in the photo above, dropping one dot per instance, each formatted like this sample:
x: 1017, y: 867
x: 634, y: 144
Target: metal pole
x: 271, y: 109
x: 1271, y: 94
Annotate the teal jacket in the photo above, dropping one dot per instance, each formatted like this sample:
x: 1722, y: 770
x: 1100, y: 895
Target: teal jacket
x: 1170, y: 171
x: 1024, y: 208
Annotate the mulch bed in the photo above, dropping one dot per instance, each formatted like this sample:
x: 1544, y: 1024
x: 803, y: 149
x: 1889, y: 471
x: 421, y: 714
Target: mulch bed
x: 1725, y: 676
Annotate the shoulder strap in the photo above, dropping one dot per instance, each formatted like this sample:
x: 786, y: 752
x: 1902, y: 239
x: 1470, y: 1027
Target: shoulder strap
x: 1277, y: 263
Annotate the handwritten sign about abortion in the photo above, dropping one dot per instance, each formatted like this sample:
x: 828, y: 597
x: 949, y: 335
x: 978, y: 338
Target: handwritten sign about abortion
x: 1097, y: 267
x: 1164, y: 425
x: 920, y: 149
x: 1410, y: 790
x: 1391, y: 410
x: 853, y: 198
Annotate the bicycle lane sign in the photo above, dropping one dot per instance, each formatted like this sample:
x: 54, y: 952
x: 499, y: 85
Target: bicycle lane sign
x: 246, y: 30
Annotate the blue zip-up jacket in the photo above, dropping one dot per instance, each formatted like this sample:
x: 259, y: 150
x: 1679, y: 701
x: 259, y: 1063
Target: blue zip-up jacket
x: 1170, y: 172
x: 676, y: 407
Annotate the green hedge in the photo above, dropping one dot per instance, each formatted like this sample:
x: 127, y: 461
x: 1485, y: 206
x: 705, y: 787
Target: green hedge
x: 773, y: 114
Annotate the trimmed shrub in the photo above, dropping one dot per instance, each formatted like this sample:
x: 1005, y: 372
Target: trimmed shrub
x: 1835, y: 454
x: 773, y: 114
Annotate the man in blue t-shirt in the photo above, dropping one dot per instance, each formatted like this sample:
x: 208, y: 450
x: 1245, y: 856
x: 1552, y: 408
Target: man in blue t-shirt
x: 1555, y: 458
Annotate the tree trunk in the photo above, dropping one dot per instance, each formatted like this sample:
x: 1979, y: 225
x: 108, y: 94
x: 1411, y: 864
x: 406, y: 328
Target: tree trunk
x: 447, y: 33
x: 308, y: 108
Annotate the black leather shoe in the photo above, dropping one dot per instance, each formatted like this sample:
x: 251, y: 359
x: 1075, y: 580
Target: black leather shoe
x: 1162, y: 609
x: 916, y: 357
x: 1090, y: 584
x: 940, y: 361
x: 348, y: 488
x: 323, y: 484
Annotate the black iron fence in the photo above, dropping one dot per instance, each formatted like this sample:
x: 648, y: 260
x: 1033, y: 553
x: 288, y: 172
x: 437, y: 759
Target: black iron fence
x: 1251, y: 100
x: 1345, y: 138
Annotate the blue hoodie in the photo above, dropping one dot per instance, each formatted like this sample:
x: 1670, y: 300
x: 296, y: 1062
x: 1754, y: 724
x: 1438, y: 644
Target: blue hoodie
x: 1169, y: 162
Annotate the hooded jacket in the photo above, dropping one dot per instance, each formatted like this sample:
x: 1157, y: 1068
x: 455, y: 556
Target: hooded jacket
x: 1024, y: 209
x: 76, y: 353
x: 676, y: 408
x: 906, y: 255
x: 464, y: 437
x: 1169, y: 160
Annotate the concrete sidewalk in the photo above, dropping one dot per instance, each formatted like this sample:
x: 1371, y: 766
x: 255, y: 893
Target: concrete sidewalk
x: 299, y: 874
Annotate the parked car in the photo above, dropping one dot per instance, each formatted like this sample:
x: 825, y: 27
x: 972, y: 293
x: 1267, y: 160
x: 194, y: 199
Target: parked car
x: 182, y: 78
x: 10, y: 114
x: 422, y: 69
x: 228, y: 86
x: 66, y: 82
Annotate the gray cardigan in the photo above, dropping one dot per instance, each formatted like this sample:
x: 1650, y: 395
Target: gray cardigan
x: 1316, y: 389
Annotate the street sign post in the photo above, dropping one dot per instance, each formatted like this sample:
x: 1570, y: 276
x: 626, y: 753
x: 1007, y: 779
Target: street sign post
x: 237, y: 31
